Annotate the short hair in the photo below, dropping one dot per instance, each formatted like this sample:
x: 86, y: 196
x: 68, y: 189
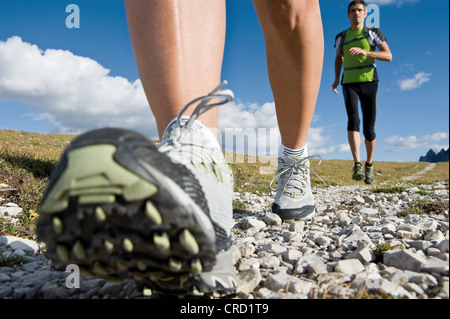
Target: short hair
x: 355, y: 2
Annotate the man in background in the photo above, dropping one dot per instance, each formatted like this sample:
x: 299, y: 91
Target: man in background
x: 356, y: 51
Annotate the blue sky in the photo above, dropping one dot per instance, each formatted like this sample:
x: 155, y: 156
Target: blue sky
x: 55, y: 79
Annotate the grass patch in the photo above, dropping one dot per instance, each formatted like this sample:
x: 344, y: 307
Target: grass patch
x: 239, y: 206
x: 412, y: 210
x: 10, y: 261
x: 389, y: 190
x: 26, y: 160
x: 380, y: 249
x: 439, y: 173
x: 339, y: 172
x: 251, y: 174
x: 426, y: 208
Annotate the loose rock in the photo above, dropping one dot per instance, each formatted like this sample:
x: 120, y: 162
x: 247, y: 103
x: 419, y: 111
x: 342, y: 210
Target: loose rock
x: 332, y: 256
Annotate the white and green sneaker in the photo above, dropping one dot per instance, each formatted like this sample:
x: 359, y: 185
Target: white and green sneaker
x: 358, y: 172
x: 188, y: 142
x: 368, y: 174
x: 119, y: 208
x: 294, y: 199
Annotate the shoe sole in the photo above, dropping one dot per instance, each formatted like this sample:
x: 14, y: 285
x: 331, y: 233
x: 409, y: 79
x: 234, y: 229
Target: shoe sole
x: 119, y: 217
x: 306, y: 213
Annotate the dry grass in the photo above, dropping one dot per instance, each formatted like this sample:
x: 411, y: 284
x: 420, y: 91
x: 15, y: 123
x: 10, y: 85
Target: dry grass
x: 26, y: 160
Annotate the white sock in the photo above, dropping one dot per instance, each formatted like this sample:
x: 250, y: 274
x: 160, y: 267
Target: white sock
x: 284, y: 151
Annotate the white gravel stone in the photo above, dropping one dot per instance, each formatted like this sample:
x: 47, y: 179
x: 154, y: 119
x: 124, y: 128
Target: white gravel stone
x: 349, y: 266
x: 248, y: 280
x: 272, y: 219
x: 406, y: 259
x: 364, y: 255
x: 332, y: 255
x: 26, y: 245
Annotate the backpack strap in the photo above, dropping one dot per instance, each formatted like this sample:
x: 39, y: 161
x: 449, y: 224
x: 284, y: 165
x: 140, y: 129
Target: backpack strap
x: 369, y: 37
x: 341, y: 40
x: 366, y: 36
x: 373, y: 65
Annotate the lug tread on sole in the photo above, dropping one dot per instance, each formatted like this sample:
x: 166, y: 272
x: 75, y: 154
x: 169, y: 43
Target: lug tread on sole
x: 110, y: 224
x: 90, y: 240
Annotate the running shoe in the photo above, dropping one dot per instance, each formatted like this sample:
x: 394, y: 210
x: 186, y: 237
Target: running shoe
x: 188, y: 143
x: 358, y: 172
x: 294, y: 199
x: 369, y: 175
x: 119, y: 208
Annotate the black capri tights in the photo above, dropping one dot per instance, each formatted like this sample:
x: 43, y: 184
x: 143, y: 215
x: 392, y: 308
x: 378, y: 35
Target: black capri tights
x: 367, y: 93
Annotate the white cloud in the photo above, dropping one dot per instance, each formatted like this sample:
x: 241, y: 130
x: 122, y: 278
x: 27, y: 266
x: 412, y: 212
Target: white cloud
x: 411, y: 142
x: 331, y: 149
x: 76, y: 94
x: 254, y: 129
x: 415, y: 82
x: 71, y: 92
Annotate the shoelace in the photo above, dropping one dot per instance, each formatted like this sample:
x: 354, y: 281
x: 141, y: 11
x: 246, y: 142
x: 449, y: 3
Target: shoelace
x: 175, y: 137
x: 291, y: 169
x: 224, y: 96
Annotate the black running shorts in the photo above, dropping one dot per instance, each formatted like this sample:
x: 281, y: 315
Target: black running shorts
x: 367, y: 93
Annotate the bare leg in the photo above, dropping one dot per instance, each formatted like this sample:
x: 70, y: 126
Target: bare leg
x: 178, y: 47
x: 370, y: 147
x: 354, y: 140
x: 295, y: 46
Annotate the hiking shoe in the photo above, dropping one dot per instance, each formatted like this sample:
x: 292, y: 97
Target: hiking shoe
x: 369, y: 175
x: 294, y: 199
x: 358, y: 172
x: 185, y: 142
x: 119, y: 208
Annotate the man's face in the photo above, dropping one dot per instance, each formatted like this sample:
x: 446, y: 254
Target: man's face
x: 357, y: 14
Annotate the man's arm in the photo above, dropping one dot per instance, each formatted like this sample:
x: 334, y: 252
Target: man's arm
x: 337, y: 70
x: 384, y: 54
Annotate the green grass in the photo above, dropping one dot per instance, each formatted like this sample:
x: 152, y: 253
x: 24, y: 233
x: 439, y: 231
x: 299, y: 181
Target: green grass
x: 390, y: 189
x: 10, y: 261
x: 425, y: 208
x: 380, y: 249
x: 26, y: 160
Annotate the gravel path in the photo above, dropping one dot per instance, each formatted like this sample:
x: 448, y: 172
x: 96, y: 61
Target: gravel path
x: 419, y: 174
x: 332, y: 257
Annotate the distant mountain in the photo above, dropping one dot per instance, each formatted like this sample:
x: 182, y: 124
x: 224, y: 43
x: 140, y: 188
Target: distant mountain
x: 432, y: 157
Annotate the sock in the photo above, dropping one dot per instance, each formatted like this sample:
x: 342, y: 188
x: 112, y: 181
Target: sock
x: 197, y: 126
x: 285, y: 151
x: 369, y: 165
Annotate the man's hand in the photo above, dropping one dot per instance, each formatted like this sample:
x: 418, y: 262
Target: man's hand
x: 357, y: 51
x: 335, y: 85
